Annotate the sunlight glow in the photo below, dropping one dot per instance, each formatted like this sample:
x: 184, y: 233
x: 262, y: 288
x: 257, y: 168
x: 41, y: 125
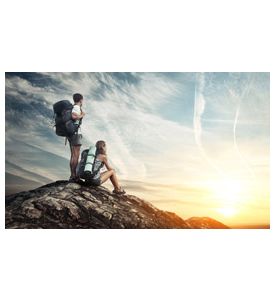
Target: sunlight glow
x: 227, y: 211
x: 228, y: 193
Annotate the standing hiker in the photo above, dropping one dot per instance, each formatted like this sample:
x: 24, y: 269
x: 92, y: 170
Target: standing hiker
x: 75, y: 140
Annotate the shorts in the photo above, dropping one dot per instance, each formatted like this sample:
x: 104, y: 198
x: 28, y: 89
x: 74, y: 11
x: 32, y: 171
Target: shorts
x: 95, y: 181
x: 75, y: 139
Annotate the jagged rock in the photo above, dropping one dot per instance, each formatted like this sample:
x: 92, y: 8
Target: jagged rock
x: 69, y: 205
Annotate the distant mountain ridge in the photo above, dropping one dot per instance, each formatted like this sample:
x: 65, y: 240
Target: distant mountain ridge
x: 69, y: 205
x: 205, y: 223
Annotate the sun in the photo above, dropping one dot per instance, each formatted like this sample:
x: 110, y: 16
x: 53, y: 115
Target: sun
x: 228, y: 194
x: 227, y: 211
x: 228, y: 191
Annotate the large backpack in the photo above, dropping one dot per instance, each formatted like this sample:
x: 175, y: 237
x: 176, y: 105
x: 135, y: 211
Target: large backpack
x: 85, y: 169
x: 64, y: 124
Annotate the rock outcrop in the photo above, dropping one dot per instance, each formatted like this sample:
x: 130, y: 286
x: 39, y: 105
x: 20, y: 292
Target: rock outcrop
x: 69, y: 205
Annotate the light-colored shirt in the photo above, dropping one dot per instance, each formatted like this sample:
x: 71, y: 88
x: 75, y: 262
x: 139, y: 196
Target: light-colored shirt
x: 77, y: 110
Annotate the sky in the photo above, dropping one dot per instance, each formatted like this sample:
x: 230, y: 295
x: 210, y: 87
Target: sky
x: 193, y: 143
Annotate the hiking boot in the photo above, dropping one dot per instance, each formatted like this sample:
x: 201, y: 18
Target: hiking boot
x: 78, y: 180
x: 119, y: 191
x: 71, y: 179
x: 75, y: 179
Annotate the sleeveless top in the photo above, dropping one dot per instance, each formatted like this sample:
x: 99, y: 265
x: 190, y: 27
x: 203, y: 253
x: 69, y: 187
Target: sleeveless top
x: 77, y: 110
x: 98, y: 164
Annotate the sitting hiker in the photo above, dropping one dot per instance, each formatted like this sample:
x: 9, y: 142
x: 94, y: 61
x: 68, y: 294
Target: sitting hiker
x: 100, y: 161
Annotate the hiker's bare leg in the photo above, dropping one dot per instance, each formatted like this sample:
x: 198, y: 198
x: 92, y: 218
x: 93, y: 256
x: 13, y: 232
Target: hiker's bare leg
x: 113, y: 177
x: 71, y: 160
x: 75, y: 158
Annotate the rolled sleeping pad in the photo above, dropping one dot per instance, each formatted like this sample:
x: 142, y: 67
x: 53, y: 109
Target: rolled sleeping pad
x: 90, y: 160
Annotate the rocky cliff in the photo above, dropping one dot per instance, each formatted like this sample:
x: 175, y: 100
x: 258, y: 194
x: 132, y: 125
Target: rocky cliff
x: 69, y: 205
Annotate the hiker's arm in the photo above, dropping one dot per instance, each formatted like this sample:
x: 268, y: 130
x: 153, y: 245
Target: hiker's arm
x: 77, y: 116
x: 109, y: 168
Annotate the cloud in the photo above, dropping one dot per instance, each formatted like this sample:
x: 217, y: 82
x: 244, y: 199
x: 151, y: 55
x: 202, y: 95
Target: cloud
x: 125, y: 117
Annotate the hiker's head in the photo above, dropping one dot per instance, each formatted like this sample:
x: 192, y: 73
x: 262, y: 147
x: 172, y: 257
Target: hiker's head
x: 78, y: 98
x: 100, y: 147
